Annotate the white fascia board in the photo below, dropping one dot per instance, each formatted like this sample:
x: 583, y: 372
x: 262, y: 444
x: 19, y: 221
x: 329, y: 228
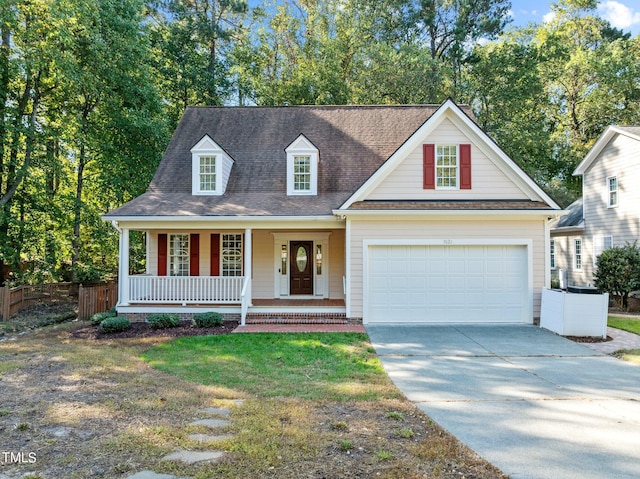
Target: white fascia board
x: 453, y: 112
x: 205, y: 222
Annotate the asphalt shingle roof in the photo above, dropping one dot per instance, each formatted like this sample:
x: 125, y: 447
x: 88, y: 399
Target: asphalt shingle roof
x: 353, y: 142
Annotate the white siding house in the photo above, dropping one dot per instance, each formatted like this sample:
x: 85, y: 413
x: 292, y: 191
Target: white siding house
x: 608, y: 214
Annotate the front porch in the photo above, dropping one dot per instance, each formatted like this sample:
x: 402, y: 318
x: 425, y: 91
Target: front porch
x: 254, y: 275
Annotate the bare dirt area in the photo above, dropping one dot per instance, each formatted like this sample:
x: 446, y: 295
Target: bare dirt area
x: 74, y: 405
x: 144, y: 330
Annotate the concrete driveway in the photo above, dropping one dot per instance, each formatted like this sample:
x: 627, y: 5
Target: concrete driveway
x: 532, y: 403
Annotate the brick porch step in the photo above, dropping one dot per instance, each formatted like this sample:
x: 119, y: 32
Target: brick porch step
x: 297, y: 318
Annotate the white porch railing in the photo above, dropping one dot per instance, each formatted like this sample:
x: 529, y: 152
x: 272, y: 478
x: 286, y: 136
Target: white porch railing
x: 185, y: 289
x: 245, y: 300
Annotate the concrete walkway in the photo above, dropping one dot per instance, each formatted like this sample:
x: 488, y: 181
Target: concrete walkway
x: 532, y: 403
x: 620, y: 340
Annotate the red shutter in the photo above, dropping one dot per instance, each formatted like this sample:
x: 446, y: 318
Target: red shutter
x: 162, y: 254
x: 215, y: 255
x: 465, y: 167
x: 428, y: 167
x: 194, y: 255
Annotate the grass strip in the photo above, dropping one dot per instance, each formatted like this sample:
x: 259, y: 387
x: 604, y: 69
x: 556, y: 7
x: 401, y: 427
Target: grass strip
x: 627, y: 324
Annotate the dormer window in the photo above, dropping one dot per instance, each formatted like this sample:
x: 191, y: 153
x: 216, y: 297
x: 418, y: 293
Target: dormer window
x: 210, y: 168
x: 207, y: 173
x: 302, y: 168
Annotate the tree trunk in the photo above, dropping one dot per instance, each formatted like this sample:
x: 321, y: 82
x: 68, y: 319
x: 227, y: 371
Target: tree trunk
x: 77, y: 215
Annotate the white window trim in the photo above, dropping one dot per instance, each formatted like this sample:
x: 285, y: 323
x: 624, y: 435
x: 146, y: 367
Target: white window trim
x: 435, y: 166
x: 599, y: 245
x: 575, y: 255
x: 302, y: 147
x: 206, y: 147
x: 552, y: 254
x: 222, y: 254
x: 609, y: 191
x: 170, y: 256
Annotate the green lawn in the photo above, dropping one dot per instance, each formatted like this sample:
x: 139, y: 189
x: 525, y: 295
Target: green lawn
x: 628, y: 324
x: 337, y: 367
x: 633, y: 326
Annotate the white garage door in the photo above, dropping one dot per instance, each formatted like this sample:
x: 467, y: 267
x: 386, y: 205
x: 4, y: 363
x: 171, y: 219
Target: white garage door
x: 471, y: 284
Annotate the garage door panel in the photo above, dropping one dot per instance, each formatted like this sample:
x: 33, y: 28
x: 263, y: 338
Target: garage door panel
x: 427, y: 283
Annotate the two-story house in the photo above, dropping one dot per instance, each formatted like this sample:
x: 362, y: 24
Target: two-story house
x: 374, y: 213
x: 608, y: 214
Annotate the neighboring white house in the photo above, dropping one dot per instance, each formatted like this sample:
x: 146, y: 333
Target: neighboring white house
x: 406, y: 213
x: 608, y: 214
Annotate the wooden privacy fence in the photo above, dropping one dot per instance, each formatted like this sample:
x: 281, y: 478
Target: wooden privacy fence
x: 96, y: 299
x: 15, y: 299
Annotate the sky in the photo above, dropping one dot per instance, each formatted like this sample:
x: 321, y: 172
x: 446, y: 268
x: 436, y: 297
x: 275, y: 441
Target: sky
x: 623, y: 14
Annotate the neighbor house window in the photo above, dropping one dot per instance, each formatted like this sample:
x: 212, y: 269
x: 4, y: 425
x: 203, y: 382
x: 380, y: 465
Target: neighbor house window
x: 552, y: 252
x: 301, y: 174
x: 179, y: 255
x: 612, y: 185
x: 232, y: 254
x: 207, y: 173
x: 446, y: 166
x: 577, y: 254
x: 601, y: 243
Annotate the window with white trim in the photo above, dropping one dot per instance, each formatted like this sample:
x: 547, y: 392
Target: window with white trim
x: 231, y: 254
x: 601, y: 243
x: 447, y: 167
x: 207, y: 173
x: 302, y: 174
x: 210, y: 168
x: 302, y: 167
x: 552, y: 253
x: 179, y: 255
x: 577, y: 254
x: 612, y: 189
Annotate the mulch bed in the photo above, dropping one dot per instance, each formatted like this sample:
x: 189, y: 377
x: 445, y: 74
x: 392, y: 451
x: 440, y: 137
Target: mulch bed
x: 589, y: 339
x: 144, y: 330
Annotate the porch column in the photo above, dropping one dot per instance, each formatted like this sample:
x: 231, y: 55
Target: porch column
x: 123, y: 268
x: 248, y: 254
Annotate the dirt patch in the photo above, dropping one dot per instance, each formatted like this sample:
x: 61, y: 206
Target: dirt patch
x: 38, y: 316
x: 144, y: 330
x: 589, y: 339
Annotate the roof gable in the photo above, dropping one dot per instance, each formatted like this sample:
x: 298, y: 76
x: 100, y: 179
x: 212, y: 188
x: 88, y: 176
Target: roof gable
x: 607, y: 136
x: 451, y: 112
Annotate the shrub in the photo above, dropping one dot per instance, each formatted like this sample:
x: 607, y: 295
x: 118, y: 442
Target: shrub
x: 618, y: 271
x: 207, y: 320
x: 115, y: 324
x: 162, y: 321
x: 97, y: 318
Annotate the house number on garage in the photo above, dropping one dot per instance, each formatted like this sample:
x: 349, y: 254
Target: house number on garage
x: 447, y: 241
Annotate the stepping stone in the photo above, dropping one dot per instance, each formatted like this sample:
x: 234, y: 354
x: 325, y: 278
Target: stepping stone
x: 152, y: 475
x: 192, y: 457
x: 209, y: 437
x: 211, y: 423
x: 215, y: 411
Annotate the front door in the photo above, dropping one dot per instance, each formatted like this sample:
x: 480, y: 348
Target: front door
x: 301, y: 267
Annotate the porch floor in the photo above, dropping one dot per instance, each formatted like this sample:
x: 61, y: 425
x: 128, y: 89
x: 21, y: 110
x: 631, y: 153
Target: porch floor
x: 298, y: 302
